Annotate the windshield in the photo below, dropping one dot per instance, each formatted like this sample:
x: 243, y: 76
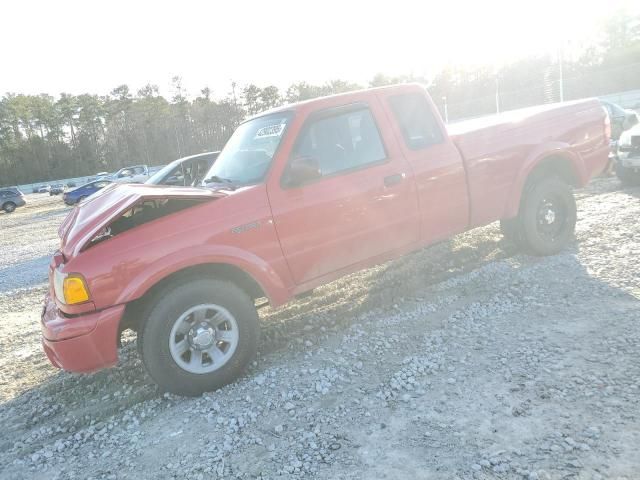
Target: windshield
x: 247, y: 155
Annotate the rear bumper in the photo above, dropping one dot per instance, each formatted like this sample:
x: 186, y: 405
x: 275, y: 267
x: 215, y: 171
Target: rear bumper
x: 83, y: 343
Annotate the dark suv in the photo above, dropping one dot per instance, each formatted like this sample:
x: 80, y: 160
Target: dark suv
x: 10, y: 199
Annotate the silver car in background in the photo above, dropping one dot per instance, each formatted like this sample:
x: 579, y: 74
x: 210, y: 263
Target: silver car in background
x: 184, y: 172
x: 11, y: 198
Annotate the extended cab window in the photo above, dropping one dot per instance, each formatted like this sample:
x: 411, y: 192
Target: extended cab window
x: 341, y: 142
x: 417, y: 122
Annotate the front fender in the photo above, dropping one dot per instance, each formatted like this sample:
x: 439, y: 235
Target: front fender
x: 257, y: 268
x: 535, y: 157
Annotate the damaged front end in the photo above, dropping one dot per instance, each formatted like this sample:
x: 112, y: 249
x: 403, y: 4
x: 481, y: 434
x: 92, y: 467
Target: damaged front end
x: 83, y: 317
x: 119, y: 208
x: 142, y: 212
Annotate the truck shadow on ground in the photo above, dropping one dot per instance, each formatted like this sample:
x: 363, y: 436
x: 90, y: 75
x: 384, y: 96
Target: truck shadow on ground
x: 384, y: 285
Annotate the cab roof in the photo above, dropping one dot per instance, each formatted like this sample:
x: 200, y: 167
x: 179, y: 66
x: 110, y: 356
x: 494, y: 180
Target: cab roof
x: 346, y: 97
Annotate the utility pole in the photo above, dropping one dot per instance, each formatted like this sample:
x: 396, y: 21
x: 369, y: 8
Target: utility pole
x: 233, y: 89
x: 497, y: 94
x: 446, y: 110
x: 561, y: 74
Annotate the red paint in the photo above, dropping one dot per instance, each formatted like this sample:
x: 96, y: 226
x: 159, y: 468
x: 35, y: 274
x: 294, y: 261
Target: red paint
x: 92, y: 350
x: 306, y: 236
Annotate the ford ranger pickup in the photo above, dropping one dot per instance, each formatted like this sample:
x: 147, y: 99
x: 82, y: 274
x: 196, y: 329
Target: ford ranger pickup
x: 300, y: 196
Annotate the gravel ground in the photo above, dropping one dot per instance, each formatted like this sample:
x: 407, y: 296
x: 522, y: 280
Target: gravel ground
x: 464, y: 360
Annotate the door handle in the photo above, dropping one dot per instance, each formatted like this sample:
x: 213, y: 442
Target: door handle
x: 391, y: 180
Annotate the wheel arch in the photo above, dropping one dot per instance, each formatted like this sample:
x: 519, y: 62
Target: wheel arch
x: 558, y: 162
x: 224, y: 271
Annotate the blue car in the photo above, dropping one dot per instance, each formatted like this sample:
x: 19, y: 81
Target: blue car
x: 77, y: 195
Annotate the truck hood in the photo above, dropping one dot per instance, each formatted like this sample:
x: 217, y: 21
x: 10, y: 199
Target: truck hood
x: 103, y: 207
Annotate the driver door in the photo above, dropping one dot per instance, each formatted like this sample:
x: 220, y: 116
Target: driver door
x: 363, y: 206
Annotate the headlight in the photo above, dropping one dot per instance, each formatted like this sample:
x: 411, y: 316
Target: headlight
x: 70, y: 288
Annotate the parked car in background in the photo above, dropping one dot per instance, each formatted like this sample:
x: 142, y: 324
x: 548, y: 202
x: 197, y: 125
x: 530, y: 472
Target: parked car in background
x: 184, y: 172
x: 299, y: 197
x: 135, y: 174
x: 627, y: 161
x: 77, y: 195
x: 42, y: 189
x: 56, y: 189
x: 621, y: 119
x: 11, y: 198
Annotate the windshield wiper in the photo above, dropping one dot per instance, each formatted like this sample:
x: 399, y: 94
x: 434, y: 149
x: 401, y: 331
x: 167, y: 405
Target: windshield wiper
x: 217, y: 179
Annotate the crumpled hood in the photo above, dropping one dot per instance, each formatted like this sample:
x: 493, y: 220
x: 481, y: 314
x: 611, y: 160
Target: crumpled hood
x: 100, y: 209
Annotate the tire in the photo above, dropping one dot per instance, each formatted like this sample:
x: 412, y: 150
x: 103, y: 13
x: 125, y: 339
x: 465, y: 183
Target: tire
x: 193, y: 326
x: 627, y: 176
x: 82, y: 198
x: 9, y: 207
x: 547, y: 216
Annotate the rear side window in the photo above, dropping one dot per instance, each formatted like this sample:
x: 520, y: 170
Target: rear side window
x: 418, y: 123
x: 341, y: 142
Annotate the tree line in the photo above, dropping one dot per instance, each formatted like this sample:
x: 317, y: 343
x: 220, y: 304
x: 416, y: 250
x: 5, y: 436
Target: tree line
x: 44, y: 138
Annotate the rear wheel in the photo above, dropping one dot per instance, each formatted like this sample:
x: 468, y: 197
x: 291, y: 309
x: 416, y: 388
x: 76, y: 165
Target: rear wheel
x: 547, y: 218
x: 199, y: 336
x: 9, y: 207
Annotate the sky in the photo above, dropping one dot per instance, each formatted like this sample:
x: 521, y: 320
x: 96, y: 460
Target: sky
x: 91, y: 47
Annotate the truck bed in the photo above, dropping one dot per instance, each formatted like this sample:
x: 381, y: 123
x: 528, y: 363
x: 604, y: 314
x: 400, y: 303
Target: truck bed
x: 495, y: 147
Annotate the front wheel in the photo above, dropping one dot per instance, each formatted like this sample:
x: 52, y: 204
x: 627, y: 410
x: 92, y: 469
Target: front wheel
x: 547, y: 216
x: 199, y: 336
x: 9, y: 207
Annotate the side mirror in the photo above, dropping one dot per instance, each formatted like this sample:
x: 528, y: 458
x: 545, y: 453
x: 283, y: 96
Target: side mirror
x: 302, y: 170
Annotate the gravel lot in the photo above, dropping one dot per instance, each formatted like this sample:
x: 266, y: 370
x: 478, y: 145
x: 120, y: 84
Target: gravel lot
x: 465, y: 360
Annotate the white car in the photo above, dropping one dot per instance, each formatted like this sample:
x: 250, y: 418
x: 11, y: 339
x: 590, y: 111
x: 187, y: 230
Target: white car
x: 135, y: 174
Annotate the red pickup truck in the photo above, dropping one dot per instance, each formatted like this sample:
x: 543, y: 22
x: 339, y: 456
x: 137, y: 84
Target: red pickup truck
x: 301, y: 196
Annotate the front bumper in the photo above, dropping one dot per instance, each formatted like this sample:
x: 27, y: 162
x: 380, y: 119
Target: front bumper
x: 82, y: 343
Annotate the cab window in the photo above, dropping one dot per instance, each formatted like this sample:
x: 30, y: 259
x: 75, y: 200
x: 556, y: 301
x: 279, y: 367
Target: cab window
x: 417, y: 122
x: 341, y: 142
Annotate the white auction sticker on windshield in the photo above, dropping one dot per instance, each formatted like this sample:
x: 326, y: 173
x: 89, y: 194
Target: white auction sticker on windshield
x: 270, y: 131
